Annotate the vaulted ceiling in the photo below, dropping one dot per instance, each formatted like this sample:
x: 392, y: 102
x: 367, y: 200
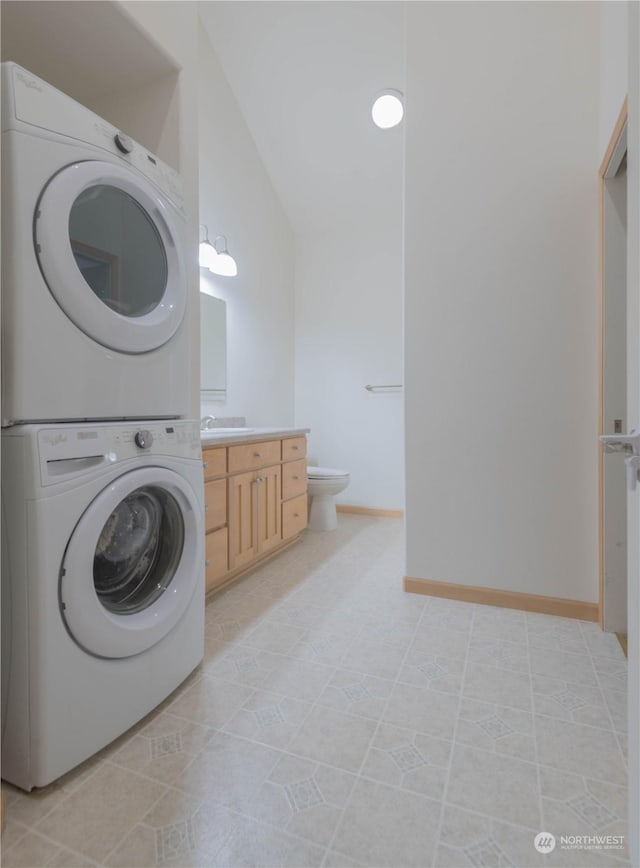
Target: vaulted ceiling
x: 304, y: 75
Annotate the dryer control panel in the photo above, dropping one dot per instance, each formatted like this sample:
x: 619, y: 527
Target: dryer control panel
x: 28, y: 99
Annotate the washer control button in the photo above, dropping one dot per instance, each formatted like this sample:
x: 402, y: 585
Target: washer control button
x: 123, y: 143
x: 143, y: 439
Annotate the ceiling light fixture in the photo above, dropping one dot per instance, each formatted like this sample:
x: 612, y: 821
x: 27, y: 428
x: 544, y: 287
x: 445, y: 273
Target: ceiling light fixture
x: 388, y: 109
x: 215, y: 256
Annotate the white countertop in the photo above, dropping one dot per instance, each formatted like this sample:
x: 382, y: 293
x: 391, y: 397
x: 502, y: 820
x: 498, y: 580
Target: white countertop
x: 224, y: 437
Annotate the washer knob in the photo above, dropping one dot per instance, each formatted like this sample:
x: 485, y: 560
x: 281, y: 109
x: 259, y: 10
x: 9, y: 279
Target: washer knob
x: 143, y: 439
x: 123, y: 143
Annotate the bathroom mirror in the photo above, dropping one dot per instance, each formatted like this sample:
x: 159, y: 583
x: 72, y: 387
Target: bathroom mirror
x: 213, y: 346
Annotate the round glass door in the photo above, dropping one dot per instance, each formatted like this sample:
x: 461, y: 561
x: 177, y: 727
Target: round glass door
x: 132, y: 563
x: 110, y: 250
x: 118, y: 250
x: 138, y: 550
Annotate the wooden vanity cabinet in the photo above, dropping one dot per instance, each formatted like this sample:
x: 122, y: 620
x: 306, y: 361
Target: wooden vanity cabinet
x: 255, y: 503
x: 216, y: 553
x: 294, y: 486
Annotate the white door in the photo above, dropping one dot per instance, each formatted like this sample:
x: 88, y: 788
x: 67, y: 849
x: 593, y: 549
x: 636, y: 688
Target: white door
x: 110, y: 250
x: 132, y: 563
x: 614, y: 392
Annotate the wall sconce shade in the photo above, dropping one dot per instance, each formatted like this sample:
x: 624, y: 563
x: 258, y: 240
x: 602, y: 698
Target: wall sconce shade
x: 388, y: 109
x: 215, y: 256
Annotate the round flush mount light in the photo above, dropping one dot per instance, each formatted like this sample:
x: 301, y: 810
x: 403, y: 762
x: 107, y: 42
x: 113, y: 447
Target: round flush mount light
x: 387, y: 109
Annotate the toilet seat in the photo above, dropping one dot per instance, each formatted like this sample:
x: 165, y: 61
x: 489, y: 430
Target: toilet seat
x: 325, y: 473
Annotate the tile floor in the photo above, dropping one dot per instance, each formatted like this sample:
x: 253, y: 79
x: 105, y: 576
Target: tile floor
x: 337, y: 721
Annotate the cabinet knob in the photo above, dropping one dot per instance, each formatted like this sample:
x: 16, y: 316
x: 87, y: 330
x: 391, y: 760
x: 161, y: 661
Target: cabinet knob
x: 295, y: 448
x: 205, y: 463
x: 207, y: 563
x: 206, y: 507
x: 296, y: 477
x: 257, y: 454
x: 296, y: 515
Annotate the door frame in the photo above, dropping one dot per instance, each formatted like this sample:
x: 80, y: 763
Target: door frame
x: 612, y: 152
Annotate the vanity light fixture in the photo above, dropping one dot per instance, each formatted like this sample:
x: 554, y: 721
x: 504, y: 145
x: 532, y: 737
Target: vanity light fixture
x: 215, y: 256
x: 388, y: 109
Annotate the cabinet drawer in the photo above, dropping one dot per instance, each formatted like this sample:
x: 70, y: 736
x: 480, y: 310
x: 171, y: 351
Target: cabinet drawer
x: 294, y: 516
x: 294, y: 447
x: 214, y: 462
x: 248, y: 455
x: 216, y: 558
x: 215, y: 504
x: 294, y: 478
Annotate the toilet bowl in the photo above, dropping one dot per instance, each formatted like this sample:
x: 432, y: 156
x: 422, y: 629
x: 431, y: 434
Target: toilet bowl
x: 323, y: 485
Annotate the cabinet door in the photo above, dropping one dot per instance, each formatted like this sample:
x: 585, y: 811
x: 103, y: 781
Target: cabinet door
x: 216, y: 562
x: 214, y: 462
x: 215, y: 504
x: 294, y: 478
x: 269, y: 494
x: 294, y: 516
x: 243, y: 519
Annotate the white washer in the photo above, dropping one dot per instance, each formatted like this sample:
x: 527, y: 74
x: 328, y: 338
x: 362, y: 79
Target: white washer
x: 94, y: 284
x: 102, y: 585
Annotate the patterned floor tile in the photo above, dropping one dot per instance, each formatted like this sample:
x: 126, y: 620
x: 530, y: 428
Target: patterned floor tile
x: 210, y: 701
x: 303, y: 798
x: 507, y: 625
x: 357, y: 693
x: 228, y: 771
x: 434, y: 671
x: 575, y: 702
x: 498, y: 652
x: 373, y: 657
x: 385, y: 826
x: 580, y: 749
x: 269, y: 718
x: 333, y: 737
x: 496, y: 728
x: 350, y: 711
x: 504, y: 787
x: 164, y: 748
x: 482, y: 842
x: 575, y: 668
x: 101, y: 811
x: 410, y: 760
x: 422, y: 710
x: 498, y: 686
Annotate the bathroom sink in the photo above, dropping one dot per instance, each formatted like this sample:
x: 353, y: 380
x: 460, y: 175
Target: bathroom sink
x: 219, y: 432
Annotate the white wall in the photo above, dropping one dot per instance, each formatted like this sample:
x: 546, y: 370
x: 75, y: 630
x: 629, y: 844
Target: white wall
x: 500, y: 305
x: 633, y: 406
x: 349, y: 334
x: 614, y: 29
x: 237, y: 199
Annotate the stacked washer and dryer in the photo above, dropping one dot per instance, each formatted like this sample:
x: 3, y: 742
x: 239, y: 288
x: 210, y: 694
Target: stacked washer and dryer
x: 102, y: 496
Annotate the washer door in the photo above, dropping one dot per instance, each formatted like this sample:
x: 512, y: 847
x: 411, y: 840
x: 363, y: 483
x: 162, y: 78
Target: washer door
x: 133, y: 563
x: 109, y: 247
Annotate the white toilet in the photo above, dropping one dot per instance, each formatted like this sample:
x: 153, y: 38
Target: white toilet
x: 323, y: 485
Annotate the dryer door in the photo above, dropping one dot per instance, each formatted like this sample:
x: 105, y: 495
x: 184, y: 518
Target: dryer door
x: 110, y: 249
x: 133, y: 563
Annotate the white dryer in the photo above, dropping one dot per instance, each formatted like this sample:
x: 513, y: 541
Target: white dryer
x: 94, y: 282
x: 102, y: 585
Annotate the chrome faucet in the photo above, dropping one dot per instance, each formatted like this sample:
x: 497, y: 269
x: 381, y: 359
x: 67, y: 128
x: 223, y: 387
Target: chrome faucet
x: 206, y: 422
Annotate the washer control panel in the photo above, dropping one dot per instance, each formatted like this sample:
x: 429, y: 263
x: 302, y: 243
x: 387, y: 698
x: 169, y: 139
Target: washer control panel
x: 143, y: 439
x: 67, y: 451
